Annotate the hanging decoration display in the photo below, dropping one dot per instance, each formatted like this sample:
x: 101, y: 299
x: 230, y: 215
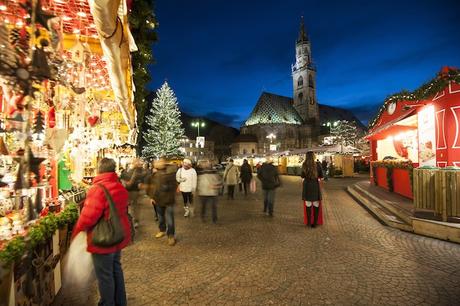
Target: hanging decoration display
x: 66, y: 101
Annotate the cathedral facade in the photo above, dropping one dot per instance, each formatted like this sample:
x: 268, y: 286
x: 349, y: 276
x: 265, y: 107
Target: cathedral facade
x: 282, y: 123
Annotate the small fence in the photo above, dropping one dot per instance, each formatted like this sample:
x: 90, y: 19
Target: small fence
x: 437, y: 191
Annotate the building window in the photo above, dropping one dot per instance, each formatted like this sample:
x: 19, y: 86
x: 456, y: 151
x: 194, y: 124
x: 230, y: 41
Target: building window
x: 244, y: 152
x: 300, y: 81
x: 253, y: 151
x: 310, y: 81
x: 300, y: 96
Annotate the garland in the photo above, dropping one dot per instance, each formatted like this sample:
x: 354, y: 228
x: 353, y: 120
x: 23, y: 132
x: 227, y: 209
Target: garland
x: 37, y: 234
x: 142, y: 23
x: 426, y: 91
x: 390, y: 165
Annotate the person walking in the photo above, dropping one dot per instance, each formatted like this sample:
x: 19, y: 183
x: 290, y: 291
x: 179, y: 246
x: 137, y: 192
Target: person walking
x: 246, y: 175
x: 149, y: 190
x: 186, y: 177
x: 209, y: 184
x: 106, y: 260
x: 131, y: 179
x: 231, y: 178
x: 311, y: 192
x: 269, y: 177
x: 163, y: 192
x: 324, y: 167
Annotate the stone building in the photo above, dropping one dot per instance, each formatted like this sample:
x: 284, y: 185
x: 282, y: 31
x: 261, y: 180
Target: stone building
x: 244, y: 145
x: 281, y: 123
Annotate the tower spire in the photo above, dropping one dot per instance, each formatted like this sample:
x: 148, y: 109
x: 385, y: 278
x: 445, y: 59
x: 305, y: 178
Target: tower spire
x: 302, y: 33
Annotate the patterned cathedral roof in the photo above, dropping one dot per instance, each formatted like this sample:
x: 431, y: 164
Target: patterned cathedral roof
x: 273, y: 109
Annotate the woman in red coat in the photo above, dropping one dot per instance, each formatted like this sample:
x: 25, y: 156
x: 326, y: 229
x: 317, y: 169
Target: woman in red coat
x: 311, y: 192
x: 106, y: 261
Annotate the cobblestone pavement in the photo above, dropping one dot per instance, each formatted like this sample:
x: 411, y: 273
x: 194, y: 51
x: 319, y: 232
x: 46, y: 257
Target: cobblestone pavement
x: 251, y: 259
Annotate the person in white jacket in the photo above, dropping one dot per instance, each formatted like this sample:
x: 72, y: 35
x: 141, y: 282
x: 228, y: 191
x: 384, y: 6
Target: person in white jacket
x: 186, y: 177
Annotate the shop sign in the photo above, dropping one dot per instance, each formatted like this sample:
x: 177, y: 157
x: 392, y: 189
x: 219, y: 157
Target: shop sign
x: 426, y: 137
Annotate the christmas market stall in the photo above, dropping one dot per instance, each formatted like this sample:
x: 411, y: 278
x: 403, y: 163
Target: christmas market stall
x: 66, y: 101
x: 419, y: 129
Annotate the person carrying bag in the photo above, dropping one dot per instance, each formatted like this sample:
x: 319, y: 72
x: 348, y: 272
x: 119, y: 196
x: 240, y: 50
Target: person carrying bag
x: 104, y: 218
x: 108, y: 232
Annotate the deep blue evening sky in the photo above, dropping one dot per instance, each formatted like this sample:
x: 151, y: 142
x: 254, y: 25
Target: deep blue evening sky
x: 218, y: 56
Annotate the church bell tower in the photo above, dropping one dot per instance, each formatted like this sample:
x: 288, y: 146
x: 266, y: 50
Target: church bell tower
x: 304, y: 80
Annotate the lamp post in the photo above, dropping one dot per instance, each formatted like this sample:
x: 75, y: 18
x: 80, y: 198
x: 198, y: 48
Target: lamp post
x: 197, y: 124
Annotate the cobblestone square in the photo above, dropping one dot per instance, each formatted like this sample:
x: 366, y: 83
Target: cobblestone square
x: 251, y: 259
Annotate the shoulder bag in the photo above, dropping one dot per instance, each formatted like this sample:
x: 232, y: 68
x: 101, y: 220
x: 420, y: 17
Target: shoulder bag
x: 108, y: 233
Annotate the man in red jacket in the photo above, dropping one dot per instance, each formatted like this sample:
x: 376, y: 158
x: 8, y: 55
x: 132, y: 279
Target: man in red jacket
x: 106, y: 261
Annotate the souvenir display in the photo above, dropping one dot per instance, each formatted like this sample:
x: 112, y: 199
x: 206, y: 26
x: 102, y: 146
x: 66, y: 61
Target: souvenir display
x: 66, y: 102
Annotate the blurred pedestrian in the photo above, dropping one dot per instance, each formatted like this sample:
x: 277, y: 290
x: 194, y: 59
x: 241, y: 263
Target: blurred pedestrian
x: 106, y: 260
x: 246, y: 175
x: 131, y: 179
x: 186, y: 177
x: 269, y: 176
x: 149, y: 190
x: 231, y: 178
x: 311, y: 192
x: 164, y: 193
x: 324, y: 167
x: 209, y: 184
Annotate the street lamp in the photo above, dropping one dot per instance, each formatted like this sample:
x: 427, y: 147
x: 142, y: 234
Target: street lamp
x: 197, y: 124
x: 271, y: 136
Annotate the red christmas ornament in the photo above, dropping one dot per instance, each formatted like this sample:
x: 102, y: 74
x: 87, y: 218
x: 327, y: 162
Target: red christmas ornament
x: 52, y: 118
x: 93, y: 120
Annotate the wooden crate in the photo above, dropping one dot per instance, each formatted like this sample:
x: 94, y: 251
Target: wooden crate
x: 447, y: 190
x: 424, y: 187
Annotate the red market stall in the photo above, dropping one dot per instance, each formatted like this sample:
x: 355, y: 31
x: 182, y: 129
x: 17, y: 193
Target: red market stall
x: 418, y: 129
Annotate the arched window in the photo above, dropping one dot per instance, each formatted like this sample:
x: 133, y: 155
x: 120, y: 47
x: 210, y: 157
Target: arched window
x: 310, y: 81
x: 300, y: 97
x: 300, y: 81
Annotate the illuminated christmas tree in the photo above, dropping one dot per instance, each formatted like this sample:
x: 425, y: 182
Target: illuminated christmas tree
x: 165, y: 127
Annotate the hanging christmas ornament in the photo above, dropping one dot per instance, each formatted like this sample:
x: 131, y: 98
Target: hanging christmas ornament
x: 39, y: 63
x: 78, y: 90
x: 39, y: 127
x: 54, y: 24
x: 16, y: 122
x: 19, y: 39
x: 93, y: 120
x: 77, y: 52
x: 21, y: 177
x: 3, y: 148
x: 51, y: 117
x: 34, y: 165
x: 8, y: 57
x: 41, y: 17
